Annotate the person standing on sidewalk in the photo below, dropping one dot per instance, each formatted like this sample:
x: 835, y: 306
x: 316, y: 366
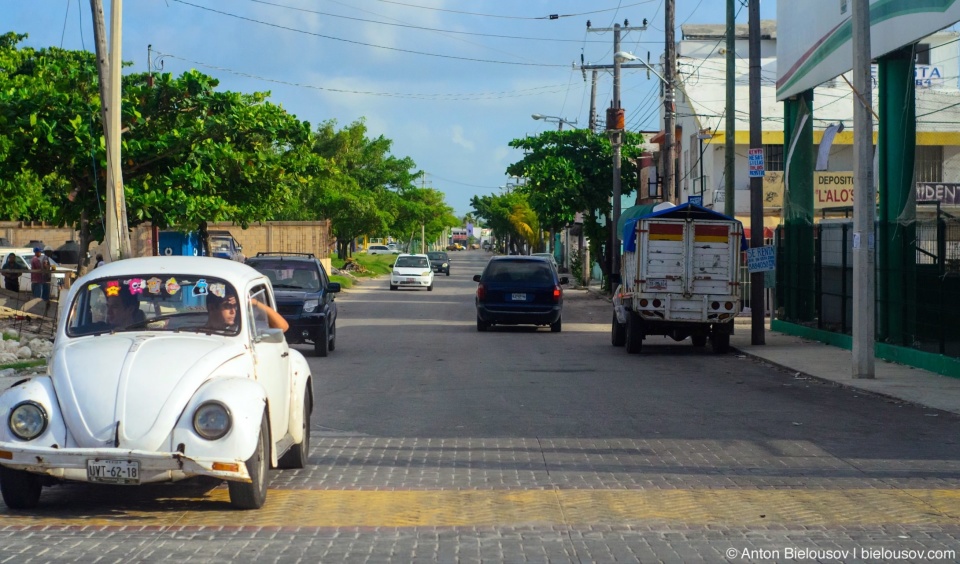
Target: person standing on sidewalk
x: 39, y: 275
x: 11, y: 276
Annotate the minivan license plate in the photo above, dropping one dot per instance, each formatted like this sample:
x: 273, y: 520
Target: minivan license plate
x: 518, y: 297
x: 114, y: 471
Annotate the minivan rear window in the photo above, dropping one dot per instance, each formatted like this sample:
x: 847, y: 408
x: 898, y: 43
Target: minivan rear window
x: 518, y: 271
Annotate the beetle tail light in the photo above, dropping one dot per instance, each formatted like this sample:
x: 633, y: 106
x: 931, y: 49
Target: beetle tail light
x: 557, y: 293
x: 481, y: 292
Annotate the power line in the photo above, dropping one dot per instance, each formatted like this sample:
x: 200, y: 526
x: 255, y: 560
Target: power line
x: 547, y: 17
x: 536, y: 91
x: 351, y: 41
x: 422, y: 28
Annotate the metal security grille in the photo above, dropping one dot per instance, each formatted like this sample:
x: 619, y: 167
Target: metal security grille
x: 928, y: 165
x: 773, y: 157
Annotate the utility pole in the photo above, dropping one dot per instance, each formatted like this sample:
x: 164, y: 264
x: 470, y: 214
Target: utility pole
x: 757, y: 307
x: 669, y: 119
x: 729, y: 141
x: 615, y: 128
x: 116, y: 236
x: 864, y: 194
x: 593, y: 102
x: 615, y: 131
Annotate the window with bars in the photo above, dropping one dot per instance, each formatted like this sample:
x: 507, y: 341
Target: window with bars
x: 928, y: 166
x: 773, y: 158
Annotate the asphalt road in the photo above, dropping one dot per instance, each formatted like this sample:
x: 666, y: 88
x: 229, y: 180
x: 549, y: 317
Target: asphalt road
x: 435, y: 443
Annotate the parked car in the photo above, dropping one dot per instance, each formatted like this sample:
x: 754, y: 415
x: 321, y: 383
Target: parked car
x: 519, y: 290
x: 305, y: 297
x: 455, y: 247
x: 163, y: 368
x: 439, y: 261
x: 223, y: 245
x: 550, y: 258
x: 382, y: 250
x: 412, y: 271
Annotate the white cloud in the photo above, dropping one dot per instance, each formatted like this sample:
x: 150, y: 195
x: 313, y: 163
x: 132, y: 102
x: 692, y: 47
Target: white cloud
x: 459, y: 139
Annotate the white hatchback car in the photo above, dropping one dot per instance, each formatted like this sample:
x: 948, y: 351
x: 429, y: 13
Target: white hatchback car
x: 163, y: 368
x: 382, y: 250
x: 412, y: 271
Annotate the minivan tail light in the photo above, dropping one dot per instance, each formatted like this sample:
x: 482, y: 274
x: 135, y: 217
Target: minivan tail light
x: 481, y: 292
x: 557, y: 293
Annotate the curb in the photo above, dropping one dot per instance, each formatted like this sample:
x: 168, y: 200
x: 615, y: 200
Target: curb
x: 835, y: 383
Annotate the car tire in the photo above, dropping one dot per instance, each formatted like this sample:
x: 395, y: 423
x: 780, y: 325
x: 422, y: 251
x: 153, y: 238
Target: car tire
x: 482, y: 325
x: 557, y: 325
x: 393, y: 287
x: 333, y: 336
x: 634, y: 338
x: 430, y: 287
x: 720, y: 342
x: 20, y: 489
x: 618, y: 333
x: 321, y: 343
x: 699, y: 340
x: 448, y: 273
x: 296, y: 457
x: 254, y: 494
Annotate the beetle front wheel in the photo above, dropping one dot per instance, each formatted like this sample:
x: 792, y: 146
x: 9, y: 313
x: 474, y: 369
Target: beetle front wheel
x: 254, y: 494
x: 20, y: 489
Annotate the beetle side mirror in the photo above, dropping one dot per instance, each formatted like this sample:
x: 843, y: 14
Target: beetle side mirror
x: 476, y: 277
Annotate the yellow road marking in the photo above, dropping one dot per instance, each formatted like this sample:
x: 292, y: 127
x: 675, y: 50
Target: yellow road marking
x: 479, y: 508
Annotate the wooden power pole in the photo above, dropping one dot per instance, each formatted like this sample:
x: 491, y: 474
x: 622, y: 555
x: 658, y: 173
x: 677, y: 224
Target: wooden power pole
x: 116, y: 236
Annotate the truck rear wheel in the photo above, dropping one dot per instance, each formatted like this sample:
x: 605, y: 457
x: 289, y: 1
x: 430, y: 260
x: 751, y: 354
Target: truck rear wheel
x: 618, y: 333
x: 634, y: 336
x: 699, y: 340
x: 721, y: 342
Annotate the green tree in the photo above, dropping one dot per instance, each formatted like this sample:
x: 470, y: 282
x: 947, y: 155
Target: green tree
x: 190, y: 154
x: 572, y: 171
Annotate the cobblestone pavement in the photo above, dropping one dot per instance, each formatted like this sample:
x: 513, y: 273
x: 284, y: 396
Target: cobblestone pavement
x: 368, y: 499
x: 573, y: 453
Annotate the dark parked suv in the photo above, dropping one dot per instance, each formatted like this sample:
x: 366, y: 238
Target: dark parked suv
x: 305, y: 297
x: 519, y: 290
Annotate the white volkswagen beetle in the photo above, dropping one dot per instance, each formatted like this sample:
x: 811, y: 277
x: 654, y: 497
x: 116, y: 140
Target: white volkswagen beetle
x: 163, y: 368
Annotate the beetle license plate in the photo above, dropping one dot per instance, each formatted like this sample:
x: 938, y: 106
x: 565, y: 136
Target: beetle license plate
x: 114, y: 471
x: 518, y: 297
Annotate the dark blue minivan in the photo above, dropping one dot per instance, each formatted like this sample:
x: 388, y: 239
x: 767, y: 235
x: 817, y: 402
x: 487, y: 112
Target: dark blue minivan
x: 519, y: 290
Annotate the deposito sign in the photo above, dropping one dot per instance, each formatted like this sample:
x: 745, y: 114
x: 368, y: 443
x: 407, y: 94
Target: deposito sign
x: 832, y: 189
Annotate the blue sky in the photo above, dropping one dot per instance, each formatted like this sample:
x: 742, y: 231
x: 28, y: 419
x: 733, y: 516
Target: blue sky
x: 451, y: 82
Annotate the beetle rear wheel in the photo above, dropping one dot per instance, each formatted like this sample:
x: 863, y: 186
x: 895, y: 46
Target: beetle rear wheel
x: 254, y: 494
x: 20, y: 489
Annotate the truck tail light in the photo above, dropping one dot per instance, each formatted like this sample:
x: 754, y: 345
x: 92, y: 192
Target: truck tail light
x: 557, y: 293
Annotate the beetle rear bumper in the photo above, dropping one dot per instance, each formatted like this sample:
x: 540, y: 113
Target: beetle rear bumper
x: 71, y: 463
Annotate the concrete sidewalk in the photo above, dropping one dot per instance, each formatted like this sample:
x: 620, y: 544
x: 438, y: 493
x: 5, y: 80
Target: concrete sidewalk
x: 829, y: 363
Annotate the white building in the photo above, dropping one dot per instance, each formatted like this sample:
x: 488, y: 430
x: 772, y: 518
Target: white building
x: 701, y: 102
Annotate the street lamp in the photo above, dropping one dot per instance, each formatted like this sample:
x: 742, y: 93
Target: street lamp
x: 627, y: 56
x: 554, y: 119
